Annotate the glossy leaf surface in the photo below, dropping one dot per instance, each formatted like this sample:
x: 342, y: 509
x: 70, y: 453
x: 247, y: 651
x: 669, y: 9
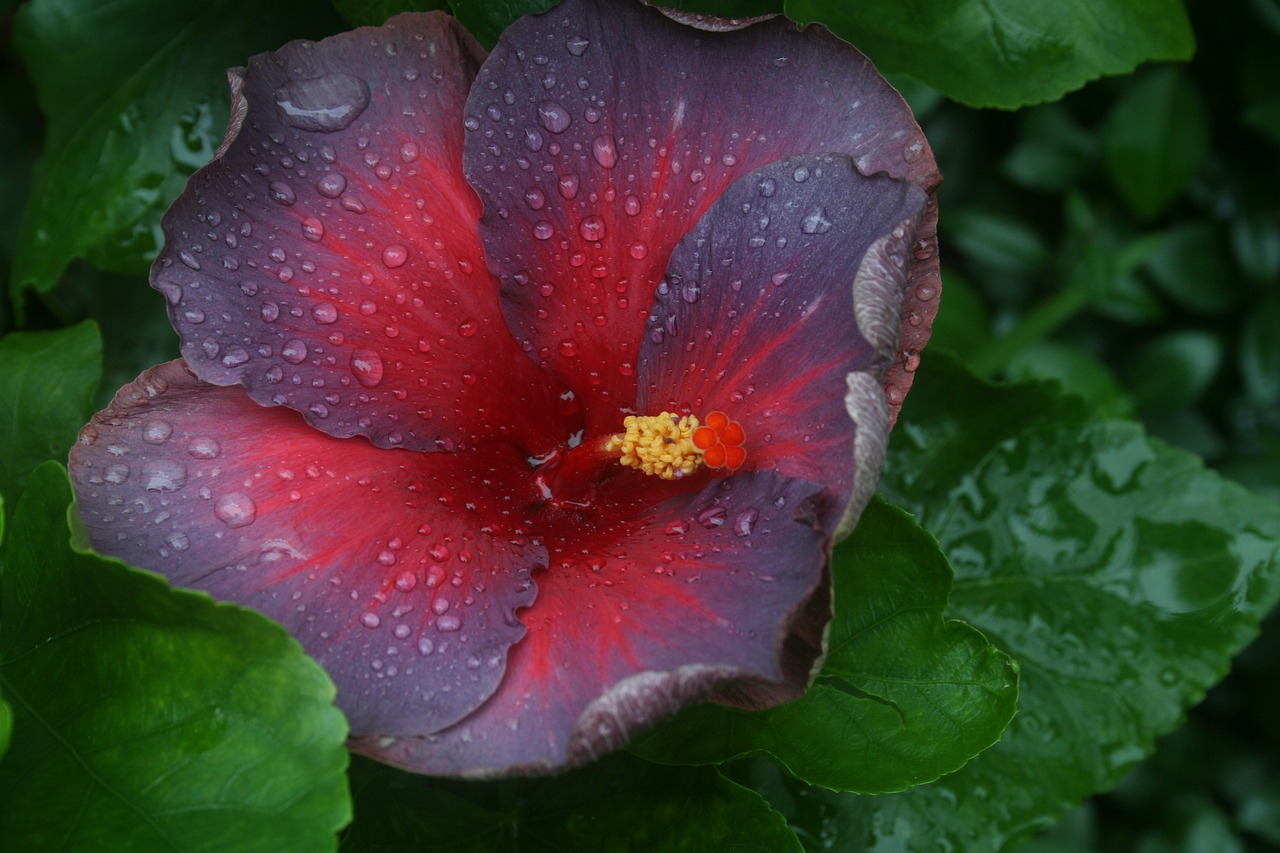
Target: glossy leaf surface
x: 1117, y: 571
x: 47, y: 380
x: 152, y: 718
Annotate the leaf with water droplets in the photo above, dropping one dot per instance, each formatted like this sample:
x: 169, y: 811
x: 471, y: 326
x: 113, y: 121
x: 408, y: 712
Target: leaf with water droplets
x: 152, y: 718
x: 903, y: 696
x: 1120, y: 573
x: 47, y: 381
x: 123, y: 139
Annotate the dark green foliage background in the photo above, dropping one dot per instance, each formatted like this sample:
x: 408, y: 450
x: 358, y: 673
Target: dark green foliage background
x: 1110, y: 233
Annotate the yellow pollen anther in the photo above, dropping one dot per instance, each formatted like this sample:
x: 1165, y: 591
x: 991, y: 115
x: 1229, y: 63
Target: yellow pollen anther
x: 661, y: 445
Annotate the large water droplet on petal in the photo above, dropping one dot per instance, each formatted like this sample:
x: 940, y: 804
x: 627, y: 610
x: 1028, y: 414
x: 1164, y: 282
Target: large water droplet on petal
x: 605, y: 150
x: 163, y: 475
x: 554, y: 117
x: 817, y: 222
x: 367, y: 367
x: 235, y: 509
x: 326, y: 104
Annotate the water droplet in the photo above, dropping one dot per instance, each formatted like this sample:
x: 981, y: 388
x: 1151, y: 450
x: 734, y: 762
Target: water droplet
x: 712, y: 517
x: 746, y: 521
x: 631, y: 205
x: 325, y: 313
x: 163, y: 475
x: 534, y: 198
x: 532, y: 139
x: 312, y: 229
x: 157, y: 432
x: 591, y: 228
x: 448, y: 623
x: 569, y: 347
x: 325, y: 104
x: 294, y: 351
x: 768, y: 186
x: 639, y: 249
x: 543, y: 230
x: 577, y: 45
x: 394, y: 256
x: 467, y: 328
x: 204, y: 448
x: 554, y: 117
x: 406, y: 581
x: 605, y: 150
x: 677, y: 528
x: 568, y: 186
x: 817, y: 222
x: 236, y: 509
x: 426, y: 646
x: 912, y: 151
x: 370, y: 620
x: 801, y: 174
x: 332, y: 185
x: 779, y: 278
x: 178, y: 541
x: 116, y: 474
x: 366, y: 366
x: 282, y: 193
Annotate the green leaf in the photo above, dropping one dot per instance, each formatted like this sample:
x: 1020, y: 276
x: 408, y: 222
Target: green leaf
x: 47, y: 382
x: 6, y: 726
x: 136, y: 98
x: 1174, y: 370
x: 486, y: 19
x: 1190, y: 265
x: 1156, y: 138
x: 903, y: 696
x: 1260, y: 351
x: 372, y: 13
x: 1076, y: 370
x: 618, y: 803
x: 1120, y: 574
x: 1052, y: 150
x: 1007, y: 53
x: 151, y: 718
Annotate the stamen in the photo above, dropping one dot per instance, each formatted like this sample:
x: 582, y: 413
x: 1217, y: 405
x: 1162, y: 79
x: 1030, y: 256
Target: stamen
x: 662, y: 445
x: 670, y: 446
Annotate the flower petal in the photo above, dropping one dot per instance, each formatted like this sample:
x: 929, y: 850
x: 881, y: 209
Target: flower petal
x: 371, y: 558
x: 601, y: 132
x: 790, y: 284
x: 698, y: 597
x: 328, y: 259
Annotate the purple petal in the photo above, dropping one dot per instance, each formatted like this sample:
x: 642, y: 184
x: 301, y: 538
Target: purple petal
x: 328, y: 258
x: 395, y: 570
x: 601, y: 132
x: 706, y: 595
x: 784, y: 298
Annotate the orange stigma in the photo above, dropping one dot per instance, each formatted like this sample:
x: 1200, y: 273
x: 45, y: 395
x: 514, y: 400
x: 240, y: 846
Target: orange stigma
x: 720, y: 441
x: 670, y: 446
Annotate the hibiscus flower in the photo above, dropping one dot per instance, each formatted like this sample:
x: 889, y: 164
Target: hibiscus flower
x: 530, y: 392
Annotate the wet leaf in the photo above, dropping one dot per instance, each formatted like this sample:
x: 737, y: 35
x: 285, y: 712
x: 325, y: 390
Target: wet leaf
x: 122, y: 140
x: 619, y: 803
x: 1117, y: 571
x: 152, y: 718
x: 47, y: 382
x: 1156, y: 138
x: 903, y: 696
x: 1006, y: 53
